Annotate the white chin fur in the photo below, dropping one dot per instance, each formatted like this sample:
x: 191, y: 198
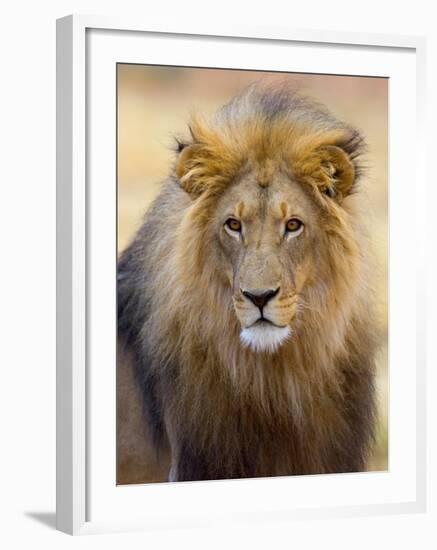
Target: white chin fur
x: 264, y: 337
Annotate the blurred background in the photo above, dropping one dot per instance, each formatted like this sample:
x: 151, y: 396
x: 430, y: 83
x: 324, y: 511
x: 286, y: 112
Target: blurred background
x: 154, y: 105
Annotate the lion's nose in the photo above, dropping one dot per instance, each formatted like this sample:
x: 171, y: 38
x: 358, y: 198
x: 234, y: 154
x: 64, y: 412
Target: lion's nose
x: 260, y: 297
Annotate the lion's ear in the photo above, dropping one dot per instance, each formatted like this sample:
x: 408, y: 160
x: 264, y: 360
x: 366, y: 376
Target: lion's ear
x: 192, y: 160
x: 334, y: 171
x: 206, y: 162
x: 188, y: 166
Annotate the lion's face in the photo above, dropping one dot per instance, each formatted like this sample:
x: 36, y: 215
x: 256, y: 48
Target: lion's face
x: 265, y: 233
x: 270, y: 219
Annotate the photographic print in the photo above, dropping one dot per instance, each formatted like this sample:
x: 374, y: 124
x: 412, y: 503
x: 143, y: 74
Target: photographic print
x: 252, y: 258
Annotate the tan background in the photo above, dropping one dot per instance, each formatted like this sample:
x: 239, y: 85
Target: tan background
x: 154, y: 104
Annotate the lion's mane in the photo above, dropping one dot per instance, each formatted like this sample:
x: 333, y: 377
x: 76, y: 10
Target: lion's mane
x: 225, y: 410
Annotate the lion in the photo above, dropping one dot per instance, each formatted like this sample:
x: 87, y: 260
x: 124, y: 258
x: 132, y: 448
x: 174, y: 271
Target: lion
x: 245, y: 304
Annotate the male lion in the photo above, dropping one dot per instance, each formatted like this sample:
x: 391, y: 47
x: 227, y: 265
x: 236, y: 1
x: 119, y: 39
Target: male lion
x: 244, y: 308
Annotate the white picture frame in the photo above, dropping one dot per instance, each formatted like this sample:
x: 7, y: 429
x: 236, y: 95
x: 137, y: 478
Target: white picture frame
x: 79, y: 486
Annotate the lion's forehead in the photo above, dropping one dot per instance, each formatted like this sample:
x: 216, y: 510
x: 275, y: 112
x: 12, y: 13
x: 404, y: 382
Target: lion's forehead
x: 282, y: 198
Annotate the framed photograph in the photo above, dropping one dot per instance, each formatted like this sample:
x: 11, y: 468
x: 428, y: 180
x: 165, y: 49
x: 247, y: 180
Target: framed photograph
x: 234, y: 337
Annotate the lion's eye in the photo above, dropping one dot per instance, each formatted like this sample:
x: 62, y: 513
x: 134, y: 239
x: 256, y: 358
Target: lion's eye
x: 293, y: 225
x: 233, y: 224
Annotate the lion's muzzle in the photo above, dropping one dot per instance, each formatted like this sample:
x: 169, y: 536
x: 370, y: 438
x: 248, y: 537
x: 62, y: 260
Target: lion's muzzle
x: 265, y: 315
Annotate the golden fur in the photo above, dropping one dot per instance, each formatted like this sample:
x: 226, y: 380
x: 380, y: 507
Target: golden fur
x: 305, y: 404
